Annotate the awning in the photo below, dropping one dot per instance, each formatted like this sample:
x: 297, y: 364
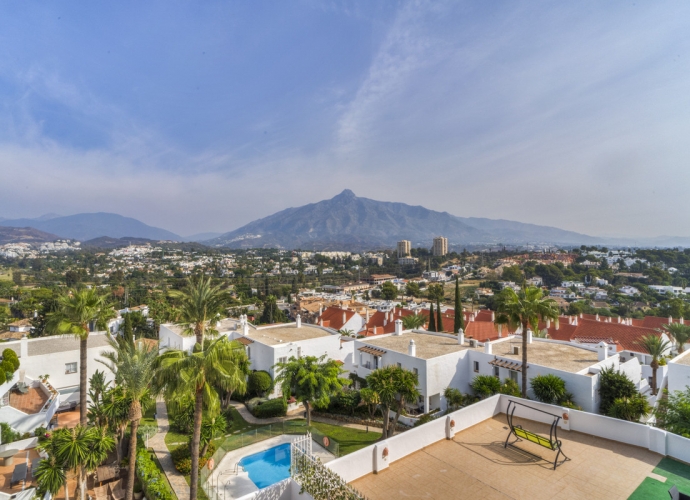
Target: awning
x: 510, y: 365
x: 372, y: 350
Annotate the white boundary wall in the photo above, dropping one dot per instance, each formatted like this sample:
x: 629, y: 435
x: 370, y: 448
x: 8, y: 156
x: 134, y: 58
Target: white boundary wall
x: 373, y: 458
x: 287, y: 489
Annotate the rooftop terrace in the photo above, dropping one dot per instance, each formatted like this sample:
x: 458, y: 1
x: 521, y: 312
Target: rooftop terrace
x: 550, y: 354
x: 683, y: 360
x: 476, y: 465
x: 428, y: 346
x: 275, y: 335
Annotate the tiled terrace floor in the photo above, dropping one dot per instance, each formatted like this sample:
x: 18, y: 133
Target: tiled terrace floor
x: 475, y: 465
x: 31, y: 402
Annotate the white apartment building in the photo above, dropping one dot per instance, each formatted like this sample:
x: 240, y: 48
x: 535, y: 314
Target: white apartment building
x: 404, y: 248
x: 440, y: 247
x: 56, y: 357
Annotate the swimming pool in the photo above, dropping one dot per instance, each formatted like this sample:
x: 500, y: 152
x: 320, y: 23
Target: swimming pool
x: 269, y: 466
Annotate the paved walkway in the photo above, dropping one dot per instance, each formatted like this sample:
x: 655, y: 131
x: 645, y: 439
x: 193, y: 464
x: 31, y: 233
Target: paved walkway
x: 157, y: 442
x: 244, y: 412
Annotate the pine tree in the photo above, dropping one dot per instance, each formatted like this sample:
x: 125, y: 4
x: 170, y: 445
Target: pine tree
x: 432, y: 319
x: 127, y: 332
x: 458, y: 321
x: 439, y: 316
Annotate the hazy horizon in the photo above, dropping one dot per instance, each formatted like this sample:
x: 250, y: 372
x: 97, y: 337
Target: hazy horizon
x: 203, y: 117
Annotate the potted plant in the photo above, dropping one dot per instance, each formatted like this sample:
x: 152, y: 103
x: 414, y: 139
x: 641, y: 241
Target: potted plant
x: 138, y: 491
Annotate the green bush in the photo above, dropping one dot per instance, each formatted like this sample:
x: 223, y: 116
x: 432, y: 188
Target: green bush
x: 155, y: 485
x: 485, y: 385
x: 511, y: 388
x: 7, y: 434
x: 182, y: 458
x: 7, y: 367
x: 271, y: 408
x: 3, y: 377
x: 673, y: 412
x: 424, y: 419
x: 630, y: 408
x: 548, y: 389
x: 260, y: 383
x: 613, y: 385
x: 11, y: 356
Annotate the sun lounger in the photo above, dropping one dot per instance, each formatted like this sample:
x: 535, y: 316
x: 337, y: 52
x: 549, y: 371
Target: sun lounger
x: 19, y: 474
x: 116, y: 490
x: 101, y: 492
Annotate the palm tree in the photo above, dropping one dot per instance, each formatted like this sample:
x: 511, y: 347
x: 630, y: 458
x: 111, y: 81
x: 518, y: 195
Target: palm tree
x: 382, y: 382
x: 679, y: 332
x: 210, y: 366
x: 77, y: 312
x: 80, y: 449
x: 656, y: 347
x: 51, y: 476
x: 406, y: 386
x: 414, y: 321
x: 113, y: 411
x: 200, y: 304
x: 312, y: 380
x: 525, y: 309
x: 133, y: 365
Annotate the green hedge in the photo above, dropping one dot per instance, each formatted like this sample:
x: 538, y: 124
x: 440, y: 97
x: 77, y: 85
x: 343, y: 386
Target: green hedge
x: 271, y: 408
x: 155, y: 485
x: 182, y: 458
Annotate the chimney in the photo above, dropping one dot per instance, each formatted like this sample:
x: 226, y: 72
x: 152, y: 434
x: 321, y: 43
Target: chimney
x: 529, y: 336
x: 581, y: 315
x: 374, y: 329
x: 385, y: 320
x: 24, y: 348
x: 597, y: 317
x: 575, y: 321
x: 367, y: 318
x: 412, y: 349
x: 619, y: 319
x: 487, y: 347
x: 516, y: 350
x: 320, y: 309
x: 602, y: 351
x: 557, y: 323
x: 344, y: 318
x: 245, y: 328
x: 493, y: 316
x: 670, y: 320
x: 500, y: 330
x: 298, y: 324
x: 321, y: 322
x: 398, y: 327
x: 681, y: 320
x: 35, y: 314
x: 548, y: 323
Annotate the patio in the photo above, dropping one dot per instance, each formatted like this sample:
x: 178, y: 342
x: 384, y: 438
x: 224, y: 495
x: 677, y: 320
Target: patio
x: 31, y: 402
x: 476, y: 465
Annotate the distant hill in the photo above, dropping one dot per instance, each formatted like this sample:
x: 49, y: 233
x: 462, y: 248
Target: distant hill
x: 202, y: 236
x: 85, y: 227
x: 349, y: 222
x: 108, y: 243
x: 24, y: 235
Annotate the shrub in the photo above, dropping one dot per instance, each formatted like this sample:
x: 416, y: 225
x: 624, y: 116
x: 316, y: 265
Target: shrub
x: 259, y: 383
x: 454, y: 398
x: 271, y: 408
x: 630, y: 408
x: 154, y: 483
x: 511, y: 388
x: 673, y: 412
x: 7, y: 434
x: 181, y: 414
x: 426, y: 418
x: 613, y: 385
x: 345, y: 401
x: 7, y: 367
x: 254, y: 402
x: 548, y: 389
x: 3, y: 377
x: 485, y: 385
x: 11, y: 356
x: 182, y: 458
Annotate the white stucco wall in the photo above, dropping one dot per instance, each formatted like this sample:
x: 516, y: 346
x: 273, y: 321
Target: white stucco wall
x: 679, y: 374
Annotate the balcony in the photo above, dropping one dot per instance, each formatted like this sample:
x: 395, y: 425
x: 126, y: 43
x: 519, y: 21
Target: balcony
x: 33, y: 407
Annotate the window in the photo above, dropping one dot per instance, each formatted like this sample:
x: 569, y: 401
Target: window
x: 476, y: 367
x: 421, y: 400
x: 70, y: 367
x: 249, y: 352
x: 497, y: 373
x: 299, y: 351
x: 514, y: 376
x: 282, y: 360
x: 399, y: 365
x: 376, y: 362
x: 415, y: 371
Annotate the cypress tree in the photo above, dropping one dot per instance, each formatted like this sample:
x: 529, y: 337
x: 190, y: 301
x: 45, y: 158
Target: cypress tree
x: 458, y: 321
x: 432, y: 319
x: 439, y: 316
x: 127, y: 330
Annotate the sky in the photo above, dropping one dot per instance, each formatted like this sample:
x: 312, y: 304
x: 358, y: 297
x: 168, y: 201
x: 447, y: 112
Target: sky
x: 203, y: 116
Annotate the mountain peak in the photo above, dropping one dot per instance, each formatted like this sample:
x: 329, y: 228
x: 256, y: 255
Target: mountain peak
x: 347, y: 194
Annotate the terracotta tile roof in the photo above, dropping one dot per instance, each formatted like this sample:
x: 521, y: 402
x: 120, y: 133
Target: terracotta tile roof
x: 332, y: 317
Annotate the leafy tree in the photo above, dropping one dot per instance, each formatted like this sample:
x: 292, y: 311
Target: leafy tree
x: 680, y: 333
x: 512, y: 273
x: 412, y: 289
x: 614, y: 385
x: 673, y: 412
x: 212, y: 426
x: 413, y: 321
x: 459, y: 320
x: 312, y: 380
x: 389, y: 291
x: 371, y: 399
x: 485, y: 386
x: 384, y: 383
x: 524, y: 309
x: 406, y: 382
x: 210, y: 366
x: 72, y: 278
x: 272, y: 313
x: 656, y: 347
x: 17, y: 278
x: 133, y: 365
x: 510, y: 388
x: 77, y: 311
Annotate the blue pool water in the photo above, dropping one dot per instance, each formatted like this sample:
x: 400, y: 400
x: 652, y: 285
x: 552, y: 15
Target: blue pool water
x: 269, y: 466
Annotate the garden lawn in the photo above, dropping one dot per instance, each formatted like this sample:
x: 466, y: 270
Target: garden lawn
x: 347, y: 438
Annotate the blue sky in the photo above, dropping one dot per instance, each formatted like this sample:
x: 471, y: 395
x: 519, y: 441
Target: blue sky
x: 202, y: 116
